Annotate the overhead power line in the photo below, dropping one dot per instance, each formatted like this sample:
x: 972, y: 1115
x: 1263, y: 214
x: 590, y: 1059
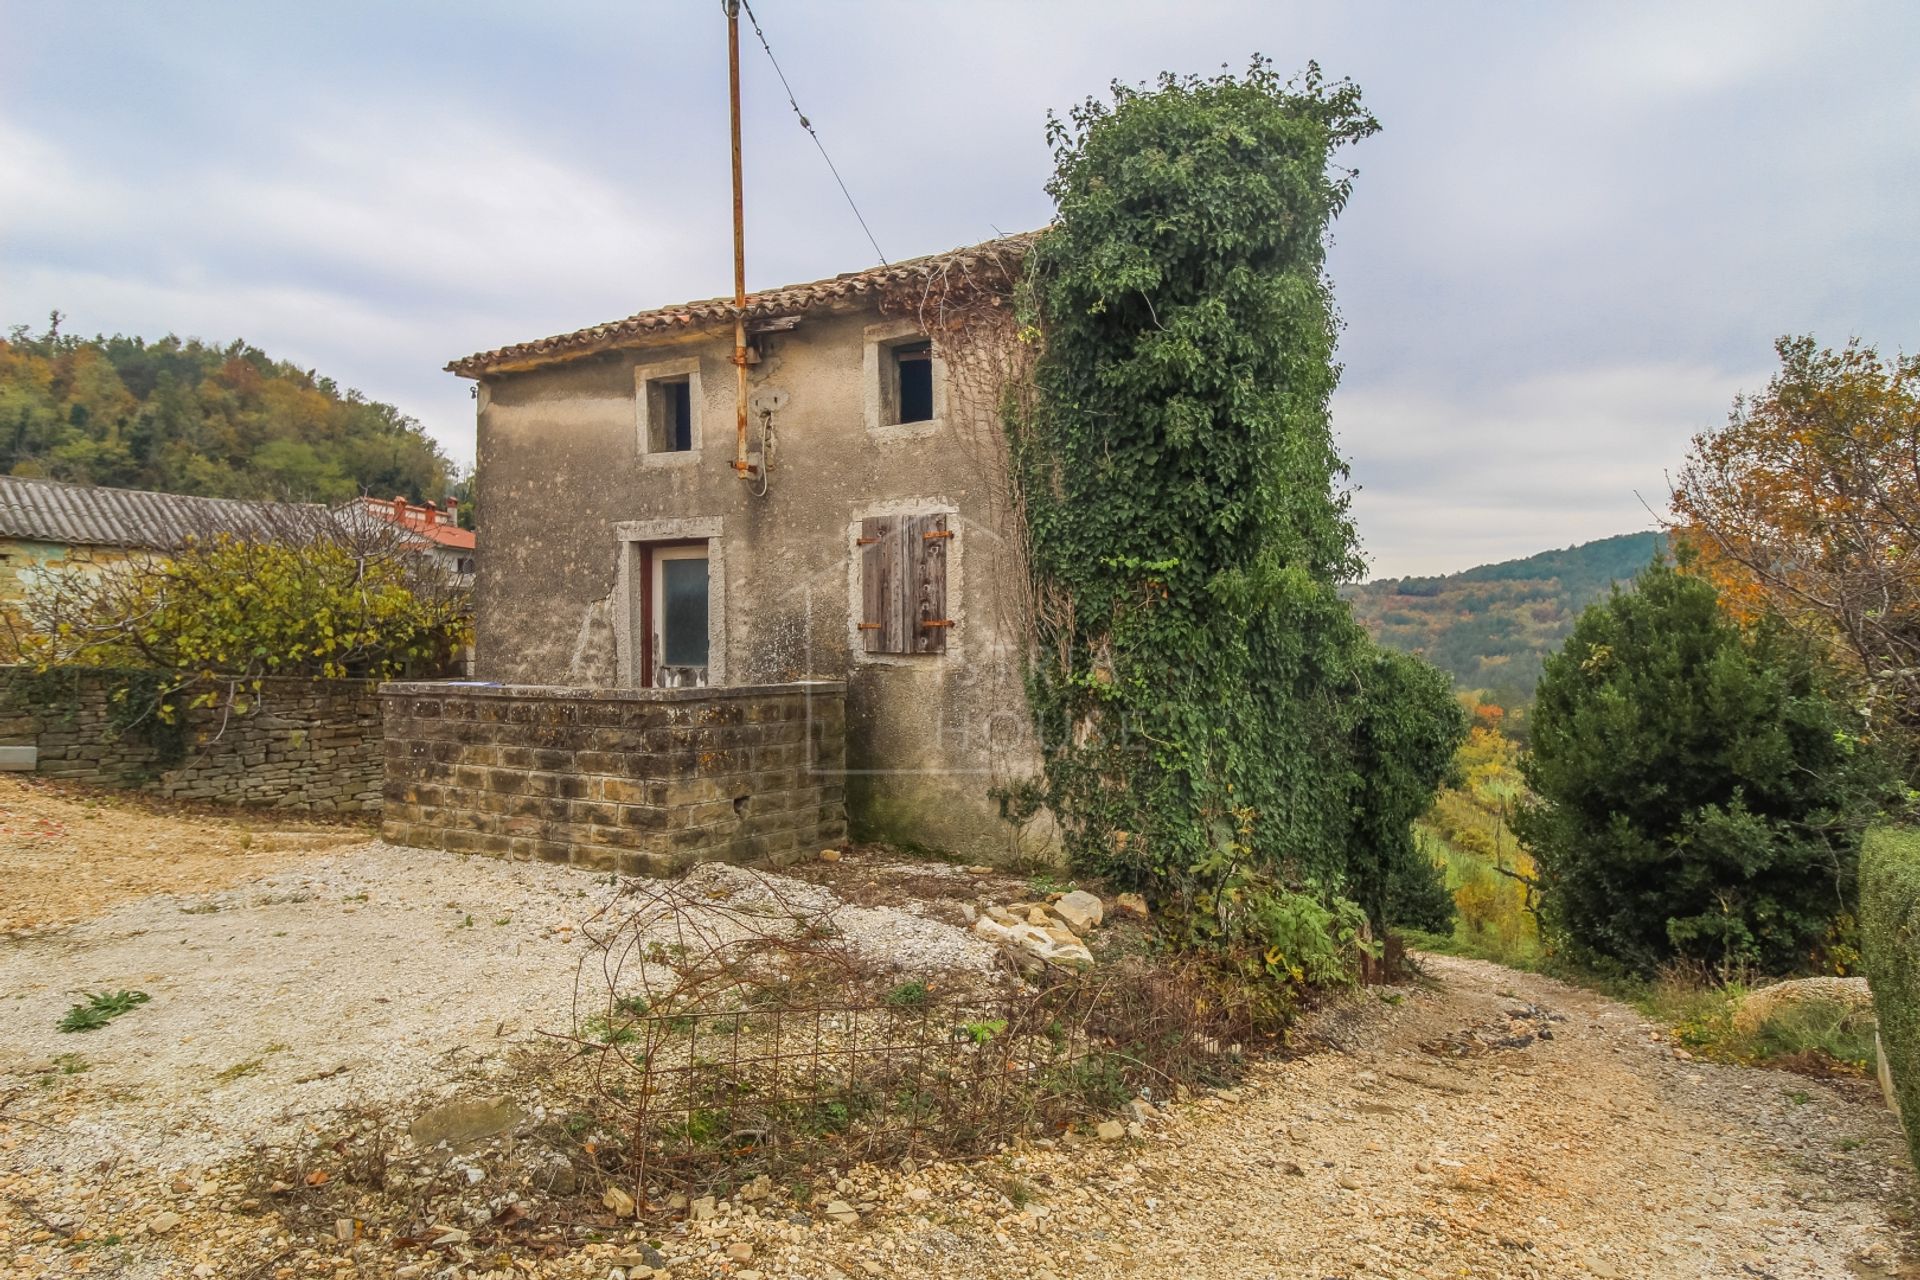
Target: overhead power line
x: 812, y: 132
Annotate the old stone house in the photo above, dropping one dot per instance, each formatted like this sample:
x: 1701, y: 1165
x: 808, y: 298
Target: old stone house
x: 869, y: 541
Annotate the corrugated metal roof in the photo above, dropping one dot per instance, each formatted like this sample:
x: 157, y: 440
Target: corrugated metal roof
x: 1000, y: 255
x: 87, y: 515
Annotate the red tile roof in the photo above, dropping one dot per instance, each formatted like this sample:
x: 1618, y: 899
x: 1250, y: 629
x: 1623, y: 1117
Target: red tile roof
x: 1002, y: 255
x: 447, y: 536
x: 435, y: 524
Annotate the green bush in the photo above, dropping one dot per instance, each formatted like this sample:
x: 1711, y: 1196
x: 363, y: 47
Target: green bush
x: 1700, y: 793
x: 1890, y: 942
x: 1409, y: 728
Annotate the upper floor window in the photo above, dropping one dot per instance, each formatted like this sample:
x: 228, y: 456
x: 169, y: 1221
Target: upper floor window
x: 669, y: 410
x: 904, y: 396
x: 912, y: 376
x: 670, y: 415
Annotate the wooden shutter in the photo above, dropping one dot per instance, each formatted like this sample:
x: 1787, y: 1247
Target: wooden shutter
x: 903, y: 584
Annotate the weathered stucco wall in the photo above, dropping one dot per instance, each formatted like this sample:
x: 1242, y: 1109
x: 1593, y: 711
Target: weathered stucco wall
x: 312, y: 745
x: 642, y: 781
x: 562, y: 472
x: 23, y: 562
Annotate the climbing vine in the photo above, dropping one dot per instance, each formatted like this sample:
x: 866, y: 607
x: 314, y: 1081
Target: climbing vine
x: 1216, y: 729
x: 967, y: 304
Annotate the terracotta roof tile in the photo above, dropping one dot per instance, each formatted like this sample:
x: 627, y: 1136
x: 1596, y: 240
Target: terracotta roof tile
x: 446, y: 536
x: 852, y: 287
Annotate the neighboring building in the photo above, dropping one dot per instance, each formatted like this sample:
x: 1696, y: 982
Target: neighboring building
x: 624, y: 550
x: 47, y: 525
x: 449, y: 546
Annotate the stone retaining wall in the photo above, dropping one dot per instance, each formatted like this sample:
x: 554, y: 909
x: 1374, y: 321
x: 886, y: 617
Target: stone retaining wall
x: 312, y: 745
x: 643, y: 781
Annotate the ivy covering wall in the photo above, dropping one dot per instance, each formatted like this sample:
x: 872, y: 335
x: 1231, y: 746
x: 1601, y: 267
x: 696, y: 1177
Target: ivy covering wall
x: 1216, y: 728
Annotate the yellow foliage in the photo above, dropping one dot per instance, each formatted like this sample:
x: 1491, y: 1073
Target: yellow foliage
x: 230, y: 610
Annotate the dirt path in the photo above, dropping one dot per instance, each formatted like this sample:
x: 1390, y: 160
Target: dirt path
x: 1595, y: 1152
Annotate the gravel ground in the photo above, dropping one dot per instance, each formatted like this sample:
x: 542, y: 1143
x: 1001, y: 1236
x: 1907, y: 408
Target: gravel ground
x: 367, y: 975
x: 364, y: 974
x: 1488, y: 1124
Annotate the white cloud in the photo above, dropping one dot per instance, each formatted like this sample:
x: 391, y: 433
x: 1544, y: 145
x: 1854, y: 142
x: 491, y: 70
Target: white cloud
x: 380, y: 244
x: 41, y: 187
x: 1569, y: 247
x: 1450, y: 478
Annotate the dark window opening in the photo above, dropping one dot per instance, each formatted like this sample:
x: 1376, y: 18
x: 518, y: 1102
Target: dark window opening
x: 670, y: 415
x: 913, y: 366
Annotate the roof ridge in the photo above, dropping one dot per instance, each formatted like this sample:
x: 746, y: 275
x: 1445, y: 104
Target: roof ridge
x: 48, y: 482
x: 781, y: 299
x: 46, y: 510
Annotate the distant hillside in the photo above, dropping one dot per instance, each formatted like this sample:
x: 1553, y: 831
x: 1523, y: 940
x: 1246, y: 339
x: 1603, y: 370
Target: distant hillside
x: 190, y: 417
x: 1491, y: 627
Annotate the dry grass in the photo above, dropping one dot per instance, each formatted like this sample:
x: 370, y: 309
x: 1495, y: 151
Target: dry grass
x: 735, y: 1038
x: 67, y: 854
x: 1816, y: 1038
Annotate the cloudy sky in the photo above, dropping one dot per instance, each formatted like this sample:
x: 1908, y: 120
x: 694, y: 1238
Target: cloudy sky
x: 1574, y: 241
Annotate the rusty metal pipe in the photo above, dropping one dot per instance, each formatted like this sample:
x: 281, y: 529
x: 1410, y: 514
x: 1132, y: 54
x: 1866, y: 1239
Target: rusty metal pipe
x: 739, y: 244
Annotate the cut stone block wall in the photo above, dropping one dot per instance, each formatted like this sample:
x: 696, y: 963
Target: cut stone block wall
x: 311, y: 745
x: 642, y: 781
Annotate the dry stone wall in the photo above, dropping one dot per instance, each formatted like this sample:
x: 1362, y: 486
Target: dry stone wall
x: 642, y: 781
x: 311, y: 745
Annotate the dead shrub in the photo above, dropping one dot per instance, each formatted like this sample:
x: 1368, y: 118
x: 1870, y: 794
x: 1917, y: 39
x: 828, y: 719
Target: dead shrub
x: 727, y: 1041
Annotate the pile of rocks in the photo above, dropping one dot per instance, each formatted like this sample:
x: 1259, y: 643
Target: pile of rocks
x: 1050, y: 931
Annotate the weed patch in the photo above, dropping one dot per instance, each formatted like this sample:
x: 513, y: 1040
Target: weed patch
x: 1813, y: 1037
x: 99, y: 1009
x: 909, y: 995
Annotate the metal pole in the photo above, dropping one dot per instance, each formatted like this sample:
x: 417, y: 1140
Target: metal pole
x: 732, y: 8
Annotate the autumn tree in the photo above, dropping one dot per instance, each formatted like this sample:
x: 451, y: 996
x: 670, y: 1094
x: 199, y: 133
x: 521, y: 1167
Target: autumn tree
x: 226, y: 421
x: 1807, y: 504
x: 217, y: 616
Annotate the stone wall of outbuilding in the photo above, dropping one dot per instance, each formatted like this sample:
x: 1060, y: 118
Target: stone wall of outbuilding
x: 641, y: 781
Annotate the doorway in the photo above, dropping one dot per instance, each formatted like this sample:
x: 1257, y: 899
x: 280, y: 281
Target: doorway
x: 674, y: 607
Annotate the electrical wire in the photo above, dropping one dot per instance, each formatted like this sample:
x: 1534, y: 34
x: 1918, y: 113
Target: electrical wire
x: 811, y: 132
x: 759, y: 484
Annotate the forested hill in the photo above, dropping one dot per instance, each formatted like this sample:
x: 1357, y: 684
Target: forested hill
x: 1491, y: 627
x: 189, y: 417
